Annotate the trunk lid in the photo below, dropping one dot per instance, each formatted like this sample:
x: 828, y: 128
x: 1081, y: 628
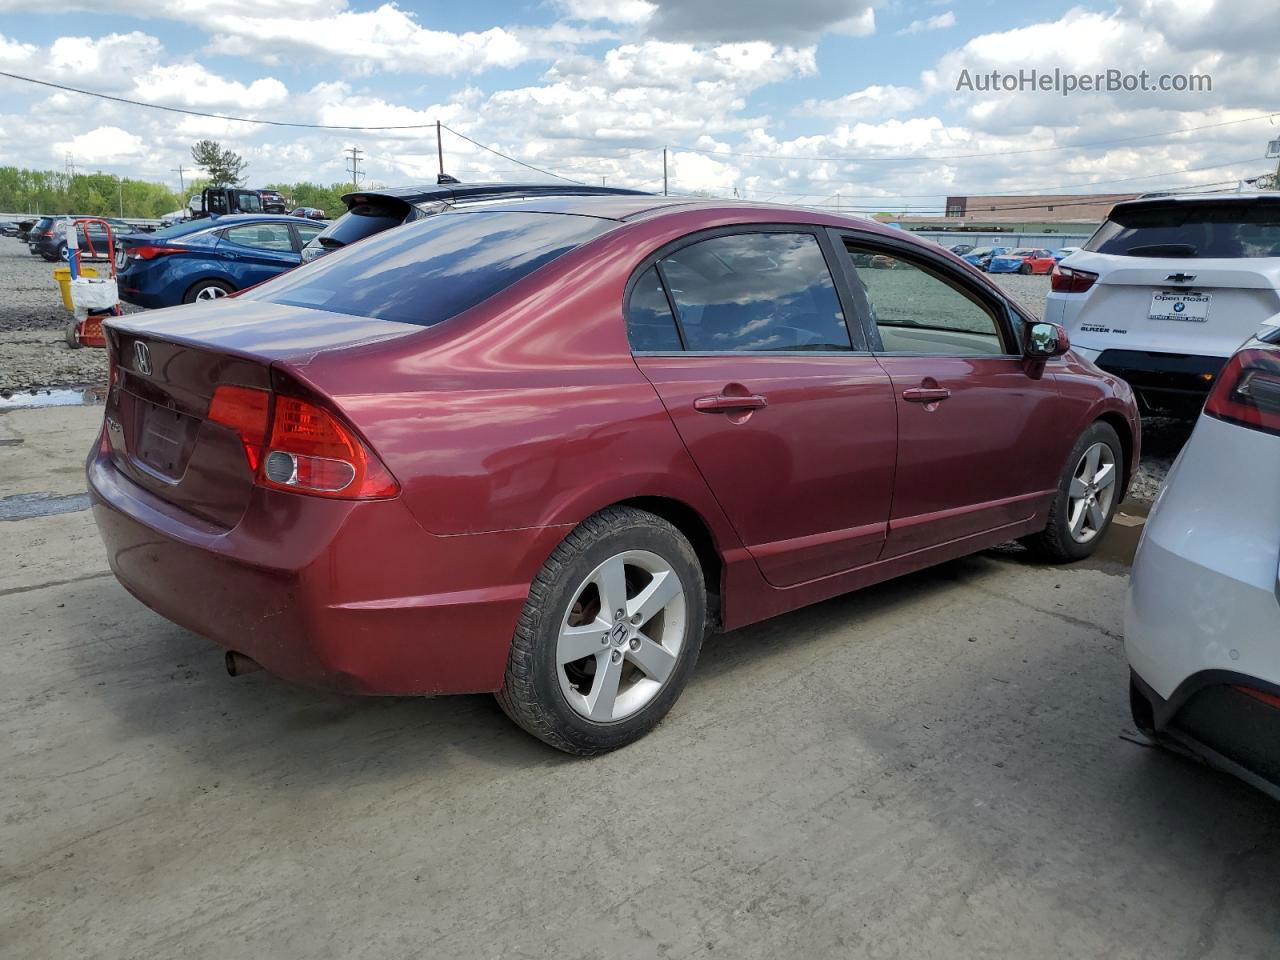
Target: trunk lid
x: 167, y: 366
x: 1241, y: 295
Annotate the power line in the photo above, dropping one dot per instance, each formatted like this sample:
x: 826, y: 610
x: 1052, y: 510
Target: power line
x: 970, y: 156
x: 512, y: 159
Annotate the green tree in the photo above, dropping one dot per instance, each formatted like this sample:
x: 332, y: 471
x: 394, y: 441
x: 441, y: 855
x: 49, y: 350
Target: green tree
x: 223, y: 167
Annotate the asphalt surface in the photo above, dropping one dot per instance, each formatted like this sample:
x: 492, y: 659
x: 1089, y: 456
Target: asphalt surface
x: 940, y: 767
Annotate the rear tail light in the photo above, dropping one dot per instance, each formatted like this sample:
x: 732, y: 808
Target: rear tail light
x: 150, y: 253
x: 1270, y: 699
x: 1070, y: 280
x: 306, y: 449
x: 1248, y: 390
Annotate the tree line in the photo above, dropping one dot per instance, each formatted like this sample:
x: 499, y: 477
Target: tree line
x: 107, y: 195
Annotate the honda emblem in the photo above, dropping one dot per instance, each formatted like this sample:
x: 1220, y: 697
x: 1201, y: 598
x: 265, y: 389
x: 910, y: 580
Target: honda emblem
x: 141, y: 357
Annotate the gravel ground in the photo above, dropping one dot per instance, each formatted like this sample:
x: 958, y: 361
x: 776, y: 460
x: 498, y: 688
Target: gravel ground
x: 34, y: 355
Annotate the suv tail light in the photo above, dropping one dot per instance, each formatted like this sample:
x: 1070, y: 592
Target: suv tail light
x: 1070, y: 280
x: 294, y: 444
x: 1248, y: 390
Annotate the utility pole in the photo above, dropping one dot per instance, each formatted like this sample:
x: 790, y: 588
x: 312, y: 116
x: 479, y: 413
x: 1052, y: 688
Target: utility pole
x: 182, y: 183
x: 354, y: 167
x: 120, y: 183
x: 664, y: 171
x: 71, y: 165
x: 439, y: 150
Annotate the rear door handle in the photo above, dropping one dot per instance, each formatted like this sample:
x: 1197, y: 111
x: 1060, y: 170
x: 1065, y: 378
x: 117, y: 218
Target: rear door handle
x: 722, y: 403
x: 925, y: 394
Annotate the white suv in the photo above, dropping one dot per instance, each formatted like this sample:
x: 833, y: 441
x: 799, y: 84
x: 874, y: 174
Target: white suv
x: 1168, y: 287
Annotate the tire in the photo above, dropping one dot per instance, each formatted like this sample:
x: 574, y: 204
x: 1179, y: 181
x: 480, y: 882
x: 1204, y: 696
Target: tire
x: 73, y: 341
x: 1143, y: 716
x: 1025, y: 269
x: 1059, y: 542
x: 207, y: 290
x: 552, y: 697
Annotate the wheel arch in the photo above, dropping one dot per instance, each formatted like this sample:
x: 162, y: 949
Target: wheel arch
x: 698, y: 532
x: 206, y: 278
x: 1117, y: 422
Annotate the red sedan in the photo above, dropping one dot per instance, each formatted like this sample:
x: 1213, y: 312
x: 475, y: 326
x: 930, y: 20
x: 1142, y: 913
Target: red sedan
x: 541, y: 448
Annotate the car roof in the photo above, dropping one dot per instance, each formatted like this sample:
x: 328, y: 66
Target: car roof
x: 1219, y: 196
x: 234, y: 218
x: 453, y: 192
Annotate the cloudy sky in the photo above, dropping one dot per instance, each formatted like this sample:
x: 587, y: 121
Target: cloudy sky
x: 775, y: 99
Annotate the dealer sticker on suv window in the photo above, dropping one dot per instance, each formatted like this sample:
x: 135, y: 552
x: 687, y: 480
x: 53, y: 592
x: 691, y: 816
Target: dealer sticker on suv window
x: 1178, y: 305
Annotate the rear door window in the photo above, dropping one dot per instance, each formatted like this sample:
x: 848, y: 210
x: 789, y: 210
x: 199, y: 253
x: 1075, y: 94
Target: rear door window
x: 263, y: 236
x: 1229, y: 230
x: 756, y: 292
x: 433, y: 269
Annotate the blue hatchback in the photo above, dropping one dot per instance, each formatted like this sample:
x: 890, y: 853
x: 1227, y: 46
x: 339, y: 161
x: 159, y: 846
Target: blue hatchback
x: 208, y: 258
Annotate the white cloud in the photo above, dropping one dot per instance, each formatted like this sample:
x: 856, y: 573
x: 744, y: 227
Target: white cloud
x: 868, y: 103
x: 103, y: 144
x: 941, y: 22
x: 619, y: 11
x: 191, y: 85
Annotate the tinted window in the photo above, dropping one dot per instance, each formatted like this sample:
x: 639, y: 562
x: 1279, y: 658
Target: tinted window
x: 918, y: 311
x: 308, y: 231
x: 1232, y: 230
x: 650, y: 323
x: 431, y: 270
x: 264, y: 236
x: 249, y: 202
x: 756, y: 291
x: 364, y: 220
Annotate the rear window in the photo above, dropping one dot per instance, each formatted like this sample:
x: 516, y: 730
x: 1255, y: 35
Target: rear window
x: 433, y: 269
x: 1228, y: 230
x: 364, y: 220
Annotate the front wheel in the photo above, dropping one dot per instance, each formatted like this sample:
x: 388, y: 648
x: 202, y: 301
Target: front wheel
x: 1087, y: 497
x: 1025, y: 269
x: 609, y: 635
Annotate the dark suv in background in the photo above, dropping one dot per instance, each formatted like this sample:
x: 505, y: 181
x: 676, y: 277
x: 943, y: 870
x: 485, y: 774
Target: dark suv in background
x: 372, y: 211
x: 47, y: 239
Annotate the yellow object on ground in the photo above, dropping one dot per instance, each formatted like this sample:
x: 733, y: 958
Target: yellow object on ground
x: 63, y: 276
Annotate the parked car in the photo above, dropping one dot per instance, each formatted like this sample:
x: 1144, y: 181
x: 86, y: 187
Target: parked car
x: 981, y: 258
x: 1168, y: 287
x: 1025, y: 260
x: 372, y: 211
x: 225, y: 201
x: 272, y: 202
x: 1060, y: 255
x: 39, y: 233
x: 1202, y: 614
x: 208, y: 259
x: 517, y: 447
x: 50, y: 241
x: 24, y: 229
x: 309, y: 213
x: 960, y: 249
x: 9, y: 228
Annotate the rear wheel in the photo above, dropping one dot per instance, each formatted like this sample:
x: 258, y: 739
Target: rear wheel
x: 1025, y: 269
x: 609, y: 635
x: 207, y: 290
x: 1087, y: 497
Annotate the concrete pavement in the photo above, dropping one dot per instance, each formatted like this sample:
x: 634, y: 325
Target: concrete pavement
x: 938, y: 767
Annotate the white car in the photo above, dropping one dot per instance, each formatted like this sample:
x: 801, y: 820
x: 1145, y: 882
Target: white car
x: 1168, y: 287
x: 1202, y: 619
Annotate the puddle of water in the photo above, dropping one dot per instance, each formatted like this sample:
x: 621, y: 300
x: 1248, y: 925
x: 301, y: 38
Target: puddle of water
x: 55, y: 397
x: 23, y: 506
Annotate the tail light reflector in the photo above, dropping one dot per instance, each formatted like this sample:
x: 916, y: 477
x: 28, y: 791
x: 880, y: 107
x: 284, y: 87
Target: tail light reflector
x: 1070, y: 280
x: 1248, y: 390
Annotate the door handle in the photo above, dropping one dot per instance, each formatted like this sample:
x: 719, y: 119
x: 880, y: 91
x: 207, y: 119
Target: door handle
x: 722, y: 403
x: 925, y: 394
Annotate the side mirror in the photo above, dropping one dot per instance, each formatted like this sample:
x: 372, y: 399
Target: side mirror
x: 1044, y: 340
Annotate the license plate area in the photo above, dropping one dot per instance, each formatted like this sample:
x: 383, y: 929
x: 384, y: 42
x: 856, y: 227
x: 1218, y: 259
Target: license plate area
x: 1185, y: 305
x: 163, y: 438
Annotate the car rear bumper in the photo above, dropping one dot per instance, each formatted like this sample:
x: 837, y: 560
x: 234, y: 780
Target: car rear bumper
x: 349, y: 596
x: 1164, y: 374
x: 1229, y: 720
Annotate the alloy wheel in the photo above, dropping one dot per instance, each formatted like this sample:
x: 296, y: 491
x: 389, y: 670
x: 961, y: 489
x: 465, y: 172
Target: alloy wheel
x: 1093, y: 487
x: 210, y: 293
x: 620, y: 639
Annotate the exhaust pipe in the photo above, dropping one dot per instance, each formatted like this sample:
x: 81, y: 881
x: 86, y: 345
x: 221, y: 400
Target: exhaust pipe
x: 238, y: 664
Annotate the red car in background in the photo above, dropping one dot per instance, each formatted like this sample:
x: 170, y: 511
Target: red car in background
x: 1023, y: 260
x: 541, y: 447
